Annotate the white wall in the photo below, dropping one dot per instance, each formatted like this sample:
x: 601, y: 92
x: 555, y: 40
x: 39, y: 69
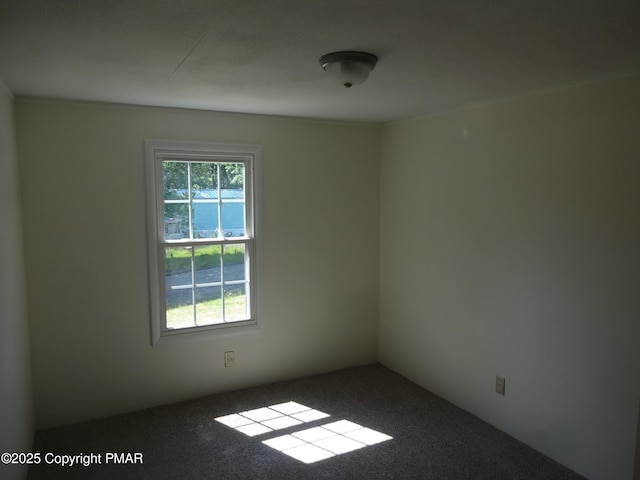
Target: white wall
x: 511, y: 246
x: 16, y: 400
x: 84, y: 225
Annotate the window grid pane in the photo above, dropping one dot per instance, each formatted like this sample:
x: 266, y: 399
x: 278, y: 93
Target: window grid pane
x: 206, y: 284
x: 204, y: 200
x: 175, y: 184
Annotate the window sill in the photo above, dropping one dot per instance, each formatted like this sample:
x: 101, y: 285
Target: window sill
x: 173, y: 337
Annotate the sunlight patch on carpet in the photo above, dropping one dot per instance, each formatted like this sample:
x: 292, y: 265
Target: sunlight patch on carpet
x: 309, y: 445
x: 267, y: 419
x: 318, y: 443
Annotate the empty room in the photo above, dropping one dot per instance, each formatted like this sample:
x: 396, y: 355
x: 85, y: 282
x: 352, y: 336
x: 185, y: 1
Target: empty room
x: 294, y: 239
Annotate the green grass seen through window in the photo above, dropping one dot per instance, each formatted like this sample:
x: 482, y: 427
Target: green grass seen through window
x: 208, y: 312
x: 178, y: 259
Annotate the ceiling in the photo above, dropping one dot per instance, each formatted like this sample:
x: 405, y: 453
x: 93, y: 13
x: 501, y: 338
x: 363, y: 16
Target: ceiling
x: 261, y: 56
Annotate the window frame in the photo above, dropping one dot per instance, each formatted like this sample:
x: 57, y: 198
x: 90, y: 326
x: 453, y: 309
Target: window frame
x: 157, y: 151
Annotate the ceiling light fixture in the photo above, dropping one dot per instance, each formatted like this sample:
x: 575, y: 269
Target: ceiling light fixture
x: 349, y: 68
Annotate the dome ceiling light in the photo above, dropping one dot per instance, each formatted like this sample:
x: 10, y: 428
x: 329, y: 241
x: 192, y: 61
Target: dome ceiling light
x: 349, y: 68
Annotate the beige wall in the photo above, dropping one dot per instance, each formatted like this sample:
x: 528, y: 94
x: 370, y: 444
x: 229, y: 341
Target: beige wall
x: 511, y: 246
x: 83, y: 204
x: 16, y: 401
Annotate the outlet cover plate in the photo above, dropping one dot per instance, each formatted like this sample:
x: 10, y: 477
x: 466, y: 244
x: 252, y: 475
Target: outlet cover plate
x: 228, y: 359
x: 500, y: 384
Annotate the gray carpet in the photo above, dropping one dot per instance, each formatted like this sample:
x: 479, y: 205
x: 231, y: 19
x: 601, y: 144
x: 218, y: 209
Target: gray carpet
x: 432, y: 439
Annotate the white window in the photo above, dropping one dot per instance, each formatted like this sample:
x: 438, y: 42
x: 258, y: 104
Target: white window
x: 202, y: 234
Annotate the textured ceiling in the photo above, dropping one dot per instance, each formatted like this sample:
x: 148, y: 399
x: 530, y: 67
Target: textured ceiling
x: 262, y: 56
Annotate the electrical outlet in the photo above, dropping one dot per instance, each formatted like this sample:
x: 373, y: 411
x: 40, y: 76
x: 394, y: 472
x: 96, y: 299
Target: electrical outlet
x: 228, y: 359
x: 500, y: 381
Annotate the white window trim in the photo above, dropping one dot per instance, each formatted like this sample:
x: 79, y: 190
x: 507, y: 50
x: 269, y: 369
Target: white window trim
x: 155, y: 151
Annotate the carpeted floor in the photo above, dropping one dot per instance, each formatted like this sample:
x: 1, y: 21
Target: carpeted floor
x: 430, y: 438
